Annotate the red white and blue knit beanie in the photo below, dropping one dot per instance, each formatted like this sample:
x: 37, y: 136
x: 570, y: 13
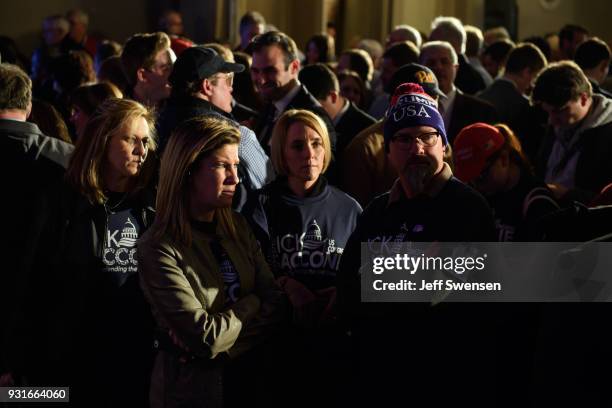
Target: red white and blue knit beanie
x: 411, y: 106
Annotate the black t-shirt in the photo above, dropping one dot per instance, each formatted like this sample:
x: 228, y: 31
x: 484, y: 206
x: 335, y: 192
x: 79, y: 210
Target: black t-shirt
x: 122, y: 231
x: 231, y: 279
x: 457, y: 214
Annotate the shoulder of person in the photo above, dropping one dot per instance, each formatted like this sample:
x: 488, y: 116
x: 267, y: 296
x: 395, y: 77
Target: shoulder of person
x: 344, y: 199
x: 376, y: 207
x: 367, y: 136
x: 466, y: 195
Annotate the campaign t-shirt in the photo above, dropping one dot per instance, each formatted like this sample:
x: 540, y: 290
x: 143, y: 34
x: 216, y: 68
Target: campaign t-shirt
x: 231, y: 279
x: 304, y: 238
x: 122, y: 231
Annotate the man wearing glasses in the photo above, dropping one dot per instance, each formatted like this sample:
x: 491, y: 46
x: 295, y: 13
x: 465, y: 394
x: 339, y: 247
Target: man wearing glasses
x: 425, y: 204
x: 202, y: 85
x: 365, y: 168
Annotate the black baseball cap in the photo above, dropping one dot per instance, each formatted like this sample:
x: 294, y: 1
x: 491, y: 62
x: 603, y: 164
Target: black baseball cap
x: 417, y: 74
x: 198, y: 63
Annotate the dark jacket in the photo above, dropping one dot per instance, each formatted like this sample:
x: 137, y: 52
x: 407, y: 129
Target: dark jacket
x: 351, y: 123
x: 31, y: 163
x: 302, y: 100
x: 514, y: 109
x: 599, y: 90
x: 468, y: 79
x: 593, y: 147
x: 180, y: 109
x: 93, y: 325
x: 380, y: 330
x: 244, y: 114
x: 468, y: 109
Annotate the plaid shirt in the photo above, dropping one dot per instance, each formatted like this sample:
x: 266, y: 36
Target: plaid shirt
x: 257, y: 164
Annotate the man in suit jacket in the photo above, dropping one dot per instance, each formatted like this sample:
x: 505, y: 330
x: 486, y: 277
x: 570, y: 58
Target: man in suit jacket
x: 593, y: 56
x: 274, y: 72
x: 509, y: 96
x: 450, y: 29
x: 347, y: 118
x: 458, y: 109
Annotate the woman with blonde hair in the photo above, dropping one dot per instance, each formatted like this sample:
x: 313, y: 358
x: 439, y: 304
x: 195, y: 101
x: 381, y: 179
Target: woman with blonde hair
x: 212, y: 293
x: 303, y: 224
x: 100, y: 327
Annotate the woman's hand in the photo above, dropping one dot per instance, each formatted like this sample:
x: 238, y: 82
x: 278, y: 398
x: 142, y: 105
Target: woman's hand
x: 310, y: 309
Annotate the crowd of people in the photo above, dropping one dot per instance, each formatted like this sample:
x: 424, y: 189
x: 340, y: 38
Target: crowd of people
x: 186, y: 219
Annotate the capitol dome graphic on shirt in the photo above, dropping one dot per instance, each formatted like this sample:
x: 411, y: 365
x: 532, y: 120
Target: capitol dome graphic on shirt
x: 129, y: 235
x: 313, y: 238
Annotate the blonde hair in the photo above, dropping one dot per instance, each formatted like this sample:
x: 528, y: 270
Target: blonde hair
x: 279, y: 137
x: 192, y: 141
x: 85, y: 171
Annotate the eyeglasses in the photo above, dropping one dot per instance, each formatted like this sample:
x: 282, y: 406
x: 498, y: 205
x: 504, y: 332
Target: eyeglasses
x: 229, y: 78
x: 428, y: 139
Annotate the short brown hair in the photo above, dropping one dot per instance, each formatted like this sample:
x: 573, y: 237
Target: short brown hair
x: 361, y: 62
x: 279, y: 137
x: 560, y: 83
x: 15, y: 88
x: 281, y: 40
x: 89, y: 96
x: 525, y: 55
x: 402, y: 53
x: 591, y: 53
x: 140, y: 51
x: 87, y: 162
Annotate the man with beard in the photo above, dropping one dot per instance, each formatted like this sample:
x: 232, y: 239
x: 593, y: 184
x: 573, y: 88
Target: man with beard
x: 274, y: 72
x: 415, y: 142
x: 365, y: 169
x: 425, y: 204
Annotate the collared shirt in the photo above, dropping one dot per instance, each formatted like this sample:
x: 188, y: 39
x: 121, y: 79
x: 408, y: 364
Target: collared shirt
x: 341, y: 113
x: 432, y: 189
x: 255, y: 161
x: 282, y: 103
x: 446, y: 106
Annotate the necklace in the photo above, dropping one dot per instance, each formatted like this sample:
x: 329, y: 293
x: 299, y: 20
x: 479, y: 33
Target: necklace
x: 112, y: 208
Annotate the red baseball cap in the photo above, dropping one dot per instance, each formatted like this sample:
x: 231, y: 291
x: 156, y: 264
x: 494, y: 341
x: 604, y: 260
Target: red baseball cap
x: 473, y: 147
x: 179, y: 45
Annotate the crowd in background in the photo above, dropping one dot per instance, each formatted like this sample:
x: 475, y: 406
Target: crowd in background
x: 187, y: 218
